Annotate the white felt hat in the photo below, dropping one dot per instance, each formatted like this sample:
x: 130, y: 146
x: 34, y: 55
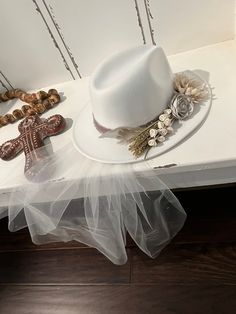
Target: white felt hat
x: 130, y: 89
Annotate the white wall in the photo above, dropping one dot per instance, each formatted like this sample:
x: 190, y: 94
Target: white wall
x: 183, y: 25
x: 49, y: 41
x: 235, y: 18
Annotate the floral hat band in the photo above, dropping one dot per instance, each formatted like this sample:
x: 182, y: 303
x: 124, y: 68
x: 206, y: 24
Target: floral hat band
x: 188, y: 92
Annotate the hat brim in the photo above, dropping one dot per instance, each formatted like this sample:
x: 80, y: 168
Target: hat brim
x: 87, y: 139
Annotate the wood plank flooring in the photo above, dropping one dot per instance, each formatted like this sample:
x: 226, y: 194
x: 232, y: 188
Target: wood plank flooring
x: 195, y: 274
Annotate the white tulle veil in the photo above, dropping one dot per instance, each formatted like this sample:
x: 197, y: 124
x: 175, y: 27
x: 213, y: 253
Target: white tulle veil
x: 75, y: 198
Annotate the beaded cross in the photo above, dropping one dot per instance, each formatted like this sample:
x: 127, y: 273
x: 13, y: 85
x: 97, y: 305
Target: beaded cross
x: 33, y: 130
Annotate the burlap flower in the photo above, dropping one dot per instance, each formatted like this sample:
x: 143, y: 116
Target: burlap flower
x: 181, y: 107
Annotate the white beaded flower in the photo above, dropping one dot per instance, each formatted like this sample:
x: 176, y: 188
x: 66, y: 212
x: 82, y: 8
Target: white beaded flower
x: 157, y: 136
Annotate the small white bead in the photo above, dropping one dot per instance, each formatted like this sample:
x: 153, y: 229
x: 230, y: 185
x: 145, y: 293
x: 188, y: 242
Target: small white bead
x: 153, y: 132
x: 162, y: 132
x: 167, y: 122
x: 152, y: 142
x: 160, y: 125
x: 162, y: 117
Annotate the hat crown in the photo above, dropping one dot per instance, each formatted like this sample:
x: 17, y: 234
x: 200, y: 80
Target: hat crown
x: 131, y: 88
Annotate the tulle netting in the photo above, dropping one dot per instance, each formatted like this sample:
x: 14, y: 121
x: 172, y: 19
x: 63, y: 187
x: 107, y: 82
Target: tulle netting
x: 75, y: 198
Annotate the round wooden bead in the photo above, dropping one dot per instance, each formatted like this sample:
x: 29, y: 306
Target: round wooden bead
x: 47, y: 104
x: 53, y: 91
x: 10, y: 94
x: 23, y: 96
x: 3, y: 120
x: 25, y: 108
x: 10, y: 117
x: 29, y: 99
x: 4, y: 97
x: 39, y: 108
x: 18, y: 114
x: 30, y: 112
x: 18, y: 93
x: 54, y: 99
x: 41, y: 95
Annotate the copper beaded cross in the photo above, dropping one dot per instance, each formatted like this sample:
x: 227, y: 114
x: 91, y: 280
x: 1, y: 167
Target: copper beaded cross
x: 33, y: 130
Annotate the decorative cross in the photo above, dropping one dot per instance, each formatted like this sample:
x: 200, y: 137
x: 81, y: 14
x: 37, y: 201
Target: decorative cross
x: 33, y: 130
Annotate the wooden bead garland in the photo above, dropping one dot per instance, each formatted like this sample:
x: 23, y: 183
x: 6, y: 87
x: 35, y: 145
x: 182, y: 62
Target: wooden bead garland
x: 37, y: 103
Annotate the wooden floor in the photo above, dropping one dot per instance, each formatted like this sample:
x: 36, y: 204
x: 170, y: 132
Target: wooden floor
x: 195, y: 274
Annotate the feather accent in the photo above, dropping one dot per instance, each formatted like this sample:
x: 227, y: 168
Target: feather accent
x: 124, y: 135
x: 194, y: 89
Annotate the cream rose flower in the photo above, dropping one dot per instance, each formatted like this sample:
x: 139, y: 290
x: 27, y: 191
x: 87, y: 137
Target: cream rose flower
x: 181, y: 107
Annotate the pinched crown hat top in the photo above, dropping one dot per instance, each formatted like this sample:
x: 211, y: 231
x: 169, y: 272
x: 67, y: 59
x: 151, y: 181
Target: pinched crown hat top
x: 131, y: 88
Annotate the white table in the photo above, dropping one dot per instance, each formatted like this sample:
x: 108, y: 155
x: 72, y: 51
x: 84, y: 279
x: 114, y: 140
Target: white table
x: 207, y: 157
